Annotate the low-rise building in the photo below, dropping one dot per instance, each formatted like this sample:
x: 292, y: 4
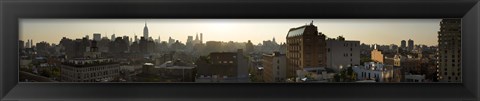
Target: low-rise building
x: 374, y: 71
x: 223, y: 65
x: 314, y: 74
x: 89, y: 70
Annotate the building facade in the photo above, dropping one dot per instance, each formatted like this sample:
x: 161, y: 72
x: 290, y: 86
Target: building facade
x: 411, y: 45
x: 449, y: 51
x: 306, y: 48
x: 89, y: 70
x: 274, y: 67
x: 342, y: 53
x: 223, y: 67
x: 377, y: 56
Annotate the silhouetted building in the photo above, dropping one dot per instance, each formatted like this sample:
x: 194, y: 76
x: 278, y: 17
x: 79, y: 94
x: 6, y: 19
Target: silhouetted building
x: 450, y: 51
x: 410, y: 45
x: 249, y: 47
x: 145, y: 31
x: 223, y: 67
x: 42, y: 48
x: 118, y: 46
x: 97, y: 36
x: 21, y: 44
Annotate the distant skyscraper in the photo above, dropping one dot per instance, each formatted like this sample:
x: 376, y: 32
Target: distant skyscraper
x: 410, y: 44
x: 136, y: 38
x: 189, y: 39
x: 449, y: 51
x: 27, y: 44
x: 145, y: 31
x: 196, y: 37
x: 113, y: 37
x: 201, y: 37
x: 273, y: 40
x: 403, y: 44
x: 31, y: 43
x: 97, y: 36
x: 170, y: 41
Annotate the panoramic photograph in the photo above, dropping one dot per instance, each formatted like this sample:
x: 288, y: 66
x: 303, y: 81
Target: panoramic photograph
x: 240, y: 50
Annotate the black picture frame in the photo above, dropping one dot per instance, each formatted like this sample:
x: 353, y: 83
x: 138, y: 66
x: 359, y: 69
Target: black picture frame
x: 12, y: 10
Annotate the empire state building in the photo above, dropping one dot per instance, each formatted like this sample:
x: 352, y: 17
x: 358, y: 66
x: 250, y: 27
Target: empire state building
x: 145, y: 31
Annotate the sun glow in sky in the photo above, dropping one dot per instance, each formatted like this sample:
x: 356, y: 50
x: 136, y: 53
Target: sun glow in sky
x: 369, y: 31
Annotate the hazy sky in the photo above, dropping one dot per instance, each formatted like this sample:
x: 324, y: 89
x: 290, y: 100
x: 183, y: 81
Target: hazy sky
x: 369, y: 31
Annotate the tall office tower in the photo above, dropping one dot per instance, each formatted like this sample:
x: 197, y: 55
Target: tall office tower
x: 145, y: 31
x: 449, y: 51
x: 27, y: 44
x: 306, y: 48
x: 403, y: 44
x: 201, y: 38
x: 31, y: 43
x: 410, y: 45
x: 196, y: 37
x: 112, y: 38
x: 96, y: 36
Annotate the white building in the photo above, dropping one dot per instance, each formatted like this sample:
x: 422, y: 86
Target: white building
x: 374, y: 71
x: 342, y: 54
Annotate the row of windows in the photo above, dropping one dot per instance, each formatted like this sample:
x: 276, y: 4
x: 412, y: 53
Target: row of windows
x: 351, y: 44
x: 225, y: 62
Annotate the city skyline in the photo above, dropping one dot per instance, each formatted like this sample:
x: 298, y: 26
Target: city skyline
x: 369, y: 31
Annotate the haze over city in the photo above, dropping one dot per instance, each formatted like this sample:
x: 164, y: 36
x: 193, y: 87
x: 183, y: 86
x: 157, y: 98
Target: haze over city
x: 369, y: 31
